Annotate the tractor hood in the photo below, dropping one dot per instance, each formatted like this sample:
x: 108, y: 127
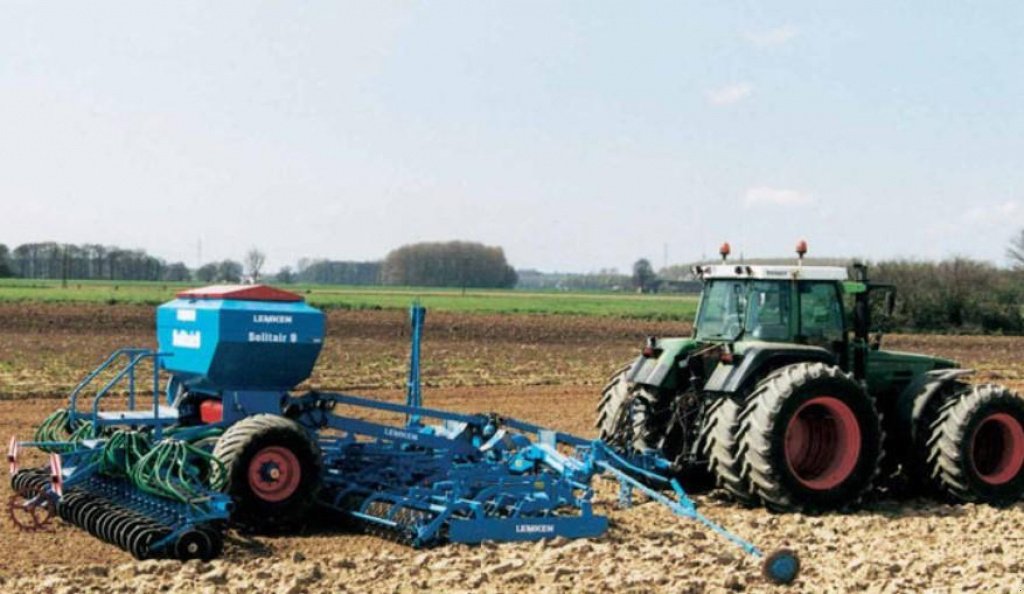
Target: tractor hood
x: 659, y: 360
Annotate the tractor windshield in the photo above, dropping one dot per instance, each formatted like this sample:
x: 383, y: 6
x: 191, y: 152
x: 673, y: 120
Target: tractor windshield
x: 759, y: 308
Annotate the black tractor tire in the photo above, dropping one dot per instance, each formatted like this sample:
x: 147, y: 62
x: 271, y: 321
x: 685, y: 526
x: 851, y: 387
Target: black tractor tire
x: 811, y: 439
x: 265, y: 502
x: 633, y: 418
x: 610, y: 408
x: 720, y: 437
x: 909, y: 451
x: 976, y: 446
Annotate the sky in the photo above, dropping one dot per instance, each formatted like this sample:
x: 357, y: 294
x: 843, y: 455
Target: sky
x: 576, y: 135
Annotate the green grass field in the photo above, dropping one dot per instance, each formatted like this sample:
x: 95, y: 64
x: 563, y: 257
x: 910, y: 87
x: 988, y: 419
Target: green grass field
x: 653, y: 307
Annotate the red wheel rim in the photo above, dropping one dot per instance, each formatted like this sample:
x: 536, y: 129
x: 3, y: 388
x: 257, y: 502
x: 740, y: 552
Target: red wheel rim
x: 822, y: 443
x: 997, y: 449
x: 274, y: 473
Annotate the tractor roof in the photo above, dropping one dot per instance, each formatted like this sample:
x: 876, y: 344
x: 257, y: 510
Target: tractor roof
x: 829, y: 273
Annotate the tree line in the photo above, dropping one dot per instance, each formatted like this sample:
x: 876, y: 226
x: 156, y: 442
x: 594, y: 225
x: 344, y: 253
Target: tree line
x: 450, y: 264
x: 953, y: 295
x: 51, y: 260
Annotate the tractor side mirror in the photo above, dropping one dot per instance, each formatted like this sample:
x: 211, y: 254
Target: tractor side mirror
x: 890, y: 303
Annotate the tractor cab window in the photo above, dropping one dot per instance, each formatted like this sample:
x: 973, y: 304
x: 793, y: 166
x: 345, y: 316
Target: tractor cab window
x: 768, y: 312
x: 721, y: 309
x: 821, y: 314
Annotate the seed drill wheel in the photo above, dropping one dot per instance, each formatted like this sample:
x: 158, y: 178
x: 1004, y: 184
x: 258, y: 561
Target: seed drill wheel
x: 976, y: 448
x: 273, y: 472
x: 812, y: 439
x: 198, y: 544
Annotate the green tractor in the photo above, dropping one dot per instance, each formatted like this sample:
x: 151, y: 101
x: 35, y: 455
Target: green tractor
x: 783, y: 397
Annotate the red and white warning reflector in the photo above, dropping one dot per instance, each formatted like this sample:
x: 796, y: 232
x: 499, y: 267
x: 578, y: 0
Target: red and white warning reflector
x: 57, y: 474
x: 12, y: 456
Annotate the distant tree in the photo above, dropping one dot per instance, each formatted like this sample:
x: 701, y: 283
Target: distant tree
x: 643, y: 275
x: 254, y: 261
x: 451, y: 264
x: 332, y: 272
x: 177, y: 273
x: 954, y: 295
x: 5, y: 262
x: 229, y: 271
x: 1015, y: 251
x: 207, y: 273
x: 285, y: 276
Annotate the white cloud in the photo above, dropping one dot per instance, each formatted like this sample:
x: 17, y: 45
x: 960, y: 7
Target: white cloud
x: 730, y: 94
x: 993, y: 213
x: 772, y: 37
x: 762, y: 196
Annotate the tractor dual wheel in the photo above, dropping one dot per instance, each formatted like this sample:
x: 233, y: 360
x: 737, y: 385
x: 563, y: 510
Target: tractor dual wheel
x: 720, y: 437
x: 810, y: 440
x: 976, y: 446
x: 273, y: 472
x: 635, y: 418
x: 610, y: 409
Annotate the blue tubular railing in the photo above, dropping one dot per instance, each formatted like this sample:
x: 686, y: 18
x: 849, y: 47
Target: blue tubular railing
x: 135, y: 356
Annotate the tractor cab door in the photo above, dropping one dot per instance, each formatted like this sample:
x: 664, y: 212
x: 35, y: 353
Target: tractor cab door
x: 821, y: 318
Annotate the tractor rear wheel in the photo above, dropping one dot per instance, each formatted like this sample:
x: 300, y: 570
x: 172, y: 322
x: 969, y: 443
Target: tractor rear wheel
x: 811, y: 439
x: 976, y: 447
x: 633, y: 418
x: 273, y: 472
x: 610, y: 409
x: 626, y: 415
x: 720, y: 438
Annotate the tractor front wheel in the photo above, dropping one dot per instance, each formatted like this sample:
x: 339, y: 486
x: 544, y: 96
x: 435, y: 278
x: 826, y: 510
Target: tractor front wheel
x: 273, y: 472
x: 976, y: 449
x: 812, y: 439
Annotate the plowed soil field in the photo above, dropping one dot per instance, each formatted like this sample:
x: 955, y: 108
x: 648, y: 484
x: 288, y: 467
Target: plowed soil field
x: 545, y: 369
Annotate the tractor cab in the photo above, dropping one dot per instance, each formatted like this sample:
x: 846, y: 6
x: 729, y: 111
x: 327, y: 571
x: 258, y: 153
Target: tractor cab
x: 772, y: 304
x: 816, y: 306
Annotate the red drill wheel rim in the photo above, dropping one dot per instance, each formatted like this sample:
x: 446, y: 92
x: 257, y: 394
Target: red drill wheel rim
x: 822, y: 443
x: 997, y: 448
x: 274, y: 474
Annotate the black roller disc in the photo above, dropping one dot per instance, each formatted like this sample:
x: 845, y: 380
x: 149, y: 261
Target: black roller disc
x: 135, y: 530
x: 194, y: 544
x: 117, y: 527
x: 140, y: 541
x: 216, y: 536
x: 122, y: 529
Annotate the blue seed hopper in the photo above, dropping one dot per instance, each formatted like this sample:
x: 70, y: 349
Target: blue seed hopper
x: 232, y: 443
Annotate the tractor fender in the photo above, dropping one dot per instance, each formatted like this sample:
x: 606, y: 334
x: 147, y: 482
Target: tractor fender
x: 914, y: 399
x: 663, y: 370
x: 757, y: 360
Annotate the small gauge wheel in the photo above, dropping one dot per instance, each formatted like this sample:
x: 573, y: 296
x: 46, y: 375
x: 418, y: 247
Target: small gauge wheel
x: 781, y: 567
